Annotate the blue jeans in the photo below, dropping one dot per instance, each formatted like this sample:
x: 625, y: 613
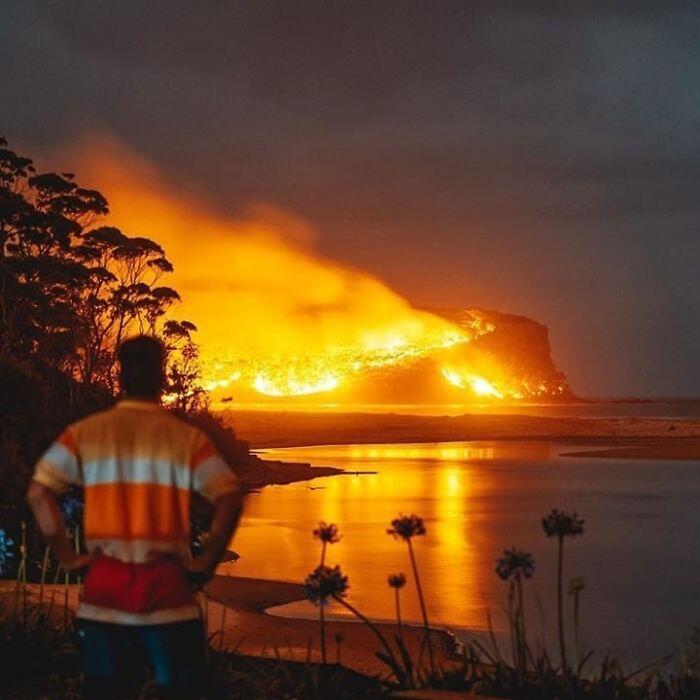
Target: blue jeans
x: 116, y: 658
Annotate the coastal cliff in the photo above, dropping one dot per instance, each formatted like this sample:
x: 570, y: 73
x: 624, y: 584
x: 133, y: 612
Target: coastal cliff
x: 509, y: 358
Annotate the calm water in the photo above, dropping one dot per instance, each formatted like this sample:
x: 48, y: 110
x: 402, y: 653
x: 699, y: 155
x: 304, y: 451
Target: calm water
x: 640, y: 555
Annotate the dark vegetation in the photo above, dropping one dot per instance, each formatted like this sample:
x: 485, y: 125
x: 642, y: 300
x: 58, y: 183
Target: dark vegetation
x: 40, y: 660
x: 71, y: 289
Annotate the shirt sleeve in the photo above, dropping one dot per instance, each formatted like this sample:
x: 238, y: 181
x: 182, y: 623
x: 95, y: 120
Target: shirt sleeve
x: 59, y: 467
x: 212, y: 477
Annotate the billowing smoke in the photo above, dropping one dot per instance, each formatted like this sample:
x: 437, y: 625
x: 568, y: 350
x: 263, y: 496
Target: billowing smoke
x: 274, y: 317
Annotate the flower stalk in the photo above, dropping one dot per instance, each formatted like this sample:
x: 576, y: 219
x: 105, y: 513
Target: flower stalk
x: 406, y: 527
x: 514, y: 566
x: 397, y: 582
x: 561, y: 524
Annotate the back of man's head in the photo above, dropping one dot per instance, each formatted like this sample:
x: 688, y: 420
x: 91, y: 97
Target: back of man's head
x: 142, y: 366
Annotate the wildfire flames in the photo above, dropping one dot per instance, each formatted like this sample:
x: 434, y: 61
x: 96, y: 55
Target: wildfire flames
x: 275, y: 319
x: 465, y: 379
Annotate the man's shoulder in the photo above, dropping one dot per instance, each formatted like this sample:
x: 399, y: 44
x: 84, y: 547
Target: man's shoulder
x: 119, y: 418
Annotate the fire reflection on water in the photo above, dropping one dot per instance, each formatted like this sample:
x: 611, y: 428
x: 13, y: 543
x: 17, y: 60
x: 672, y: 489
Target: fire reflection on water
x: 447, y: 484
x: 478, y: 499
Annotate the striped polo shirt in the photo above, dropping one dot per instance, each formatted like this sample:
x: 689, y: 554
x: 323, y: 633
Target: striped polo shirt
x: 138, y: 465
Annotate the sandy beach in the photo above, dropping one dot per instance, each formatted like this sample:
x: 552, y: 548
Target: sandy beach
x: 628, y: 437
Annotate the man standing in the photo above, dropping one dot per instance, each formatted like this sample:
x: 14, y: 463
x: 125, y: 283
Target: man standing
x: 138, y: 465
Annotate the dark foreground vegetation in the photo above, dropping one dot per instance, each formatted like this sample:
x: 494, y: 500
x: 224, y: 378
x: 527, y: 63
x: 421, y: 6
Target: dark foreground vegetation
x: 39, y: 662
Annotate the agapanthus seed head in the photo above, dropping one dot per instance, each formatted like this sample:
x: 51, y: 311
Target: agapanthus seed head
x: 406, y: 526
x: 325, y: 582
x: 515, y: 563
x: 327, y: 532
x: 397, y: 580
x: 559, y: 523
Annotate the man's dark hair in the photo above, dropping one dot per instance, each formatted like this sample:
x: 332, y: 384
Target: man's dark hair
x: 142, y: 366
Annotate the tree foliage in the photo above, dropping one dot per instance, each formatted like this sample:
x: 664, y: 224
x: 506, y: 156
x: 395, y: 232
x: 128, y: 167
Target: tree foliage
x: 71, y: 289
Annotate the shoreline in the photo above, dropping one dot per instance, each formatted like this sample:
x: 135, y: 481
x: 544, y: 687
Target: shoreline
x: 261, y: 473
x: 608, y: 438
x: 260, y: 633
x: 624, y: 437
x: 287, y: 429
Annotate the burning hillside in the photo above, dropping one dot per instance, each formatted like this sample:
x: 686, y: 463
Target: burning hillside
x: 497, y: 357
x: 279, y: 323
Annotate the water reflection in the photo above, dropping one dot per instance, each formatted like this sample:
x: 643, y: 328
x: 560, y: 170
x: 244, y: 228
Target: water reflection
x: 440, y: 451
x: 447, y: 484
x: 477, y: 499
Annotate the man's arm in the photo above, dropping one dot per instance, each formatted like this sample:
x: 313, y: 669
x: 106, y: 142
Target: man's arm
x: 44, y: 505
x: 227, y: 512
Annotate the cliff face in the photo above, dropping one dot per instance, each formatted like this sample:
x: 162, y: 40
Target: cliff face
x: 519, y: 347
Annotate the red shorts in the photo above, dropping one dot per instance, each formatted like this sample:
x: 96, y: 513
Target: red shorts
x: 160, y: 584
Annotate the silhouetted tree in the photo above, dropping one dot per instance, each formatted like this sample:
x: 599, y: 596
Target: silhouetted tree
x: 71, y: 290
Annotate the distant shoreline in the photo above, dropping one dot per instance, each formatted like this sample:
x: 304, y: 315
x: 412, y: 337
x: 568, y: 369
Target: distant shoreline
x: 292, y: 406
x: 686, y: 452
x: 273, y: 429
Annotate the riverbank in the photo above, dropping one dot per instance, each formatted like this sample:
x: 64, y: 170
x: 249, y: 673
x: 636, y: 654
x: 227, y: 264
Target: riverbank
x: 684, y: 450
x: 267, y: 429
x: 259, y: 473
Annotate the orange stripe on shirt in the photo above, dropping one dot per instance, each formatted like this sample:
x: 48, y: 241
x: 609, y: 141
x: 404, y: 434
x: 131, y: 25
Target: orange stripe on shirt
x: 136, y: 511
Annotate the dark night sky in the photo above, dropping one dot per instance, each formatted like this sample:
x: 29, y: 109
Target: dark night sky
x: 505, y: 155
